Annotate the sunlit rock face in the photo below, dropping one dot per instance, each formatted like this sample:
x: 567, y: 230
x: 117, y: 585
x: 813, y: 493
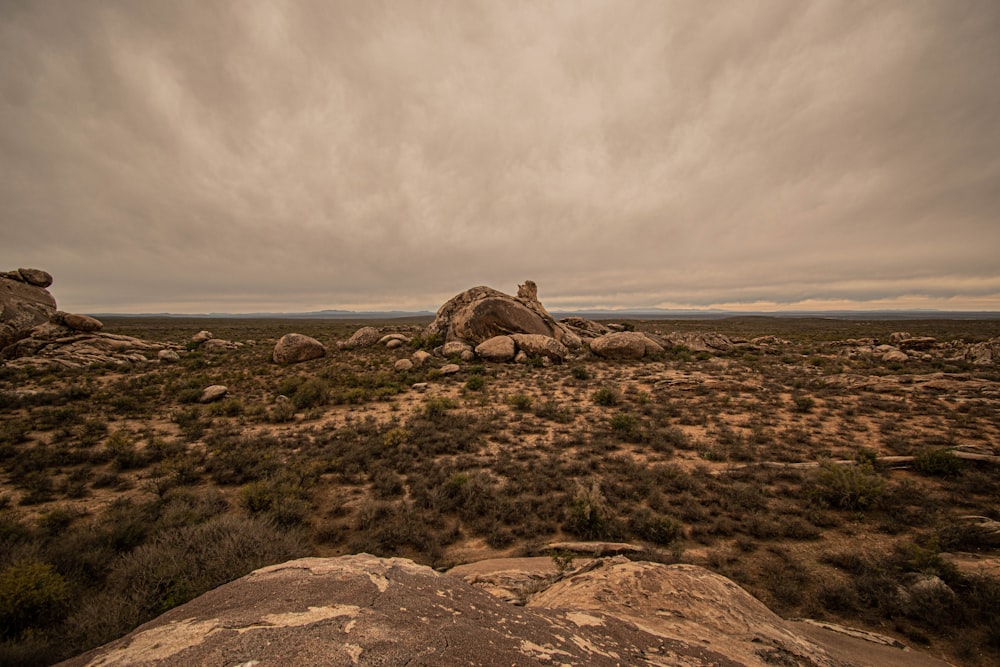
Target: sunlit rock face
x: 363, y: 610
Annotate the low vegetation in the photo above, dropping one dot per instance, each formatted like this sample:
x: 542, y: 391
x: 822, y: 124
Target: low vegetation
x: 122, y: 496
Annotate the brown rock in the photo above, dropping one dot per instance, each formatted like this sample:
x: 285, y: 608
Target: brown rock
x: 81, y: 322
x: 201, y: 337
x: 403, y: 365
x: 498, y: 348
x: 420, y: 357
x: 535, y: 345
x: 23, y: 306
x: 363, y: 337
x: 373, y: 611
x: 293, y: 348
x: 36, y: 277
x: 454, y: 348
x: 481, y: 313
x: 624, y: 345
x: 216, y: 392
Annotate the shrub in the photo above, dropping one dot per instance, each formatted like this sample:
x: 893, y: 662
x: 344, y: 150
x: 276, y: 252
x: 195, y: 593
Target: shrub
x: 606, y: 397
x: 626, y: 425
x: 475, y: 383
x: 33, y: 596
x: 937, y: 463
x: 850, y: 487
x: 520, y: 402
x: 438, y: 406
x: 580, y: 373
x: 587, y: 516
x: 656, y: 528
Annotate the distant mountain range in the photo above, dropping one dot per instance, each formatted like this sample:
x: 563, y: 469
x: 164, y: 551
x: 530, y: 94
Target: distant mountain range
x: 635, y: 314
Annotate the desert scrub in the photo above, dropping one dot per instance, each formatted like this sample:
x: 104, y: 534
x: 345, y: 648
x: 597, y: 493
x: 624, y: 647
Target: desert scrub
x: 606, y: 397
x: 520, y: 402
x: 33, y: 596
x: 475, y: 383
x: 438, y: 406
x: 937, y: 463
x: 850, y: 487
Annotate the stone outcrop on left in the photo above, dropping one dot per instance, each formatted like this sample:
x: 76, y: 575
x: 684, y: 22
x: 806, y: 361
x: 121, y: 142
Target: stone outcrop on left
x: 24, y: 303
x: 33, y: 333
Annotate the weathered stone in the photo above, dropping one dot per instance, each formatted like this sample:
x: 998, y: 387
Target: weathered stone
x: 36, y: 277
x: 697, y: 341
x: 454, y: 348
x: 77, y: 322
x: 983, y: 354
x: 168, y: 356
x: 481, y: 313
x: 216, y: 392
x: 624, y: 345
x: 419, y: 386
x: 372, y: 611
x: 403, y: 365
x: 898, y: 336
x: 363, y: 337
x: 23, y: 306
x: 467, y: 355
x: 535, y: 345
x: 498, y: 348
x: 394, y: 343
x: 388, y: 338
x: 894, y: 356
x: 450, y: 369
x: 201, y: 337
x: 521, y: 357
x: 917, y: 343
x: 293, y: 348
x: 420, y: 357
x: 216, y: 345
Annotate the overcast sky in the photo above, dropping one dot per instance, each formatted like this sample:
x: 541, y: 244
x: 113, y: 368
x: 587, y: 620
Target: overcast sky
x: 239, y: 156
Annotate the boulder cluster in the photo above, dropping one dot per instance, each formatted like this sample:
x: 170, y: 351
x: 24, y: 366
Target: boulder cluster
x: 33, y: 333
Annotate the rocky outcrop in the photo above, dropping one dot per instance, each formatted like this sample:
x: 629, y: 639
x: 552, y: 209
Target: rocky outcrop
x: 583, y: 327
x: 699, y: 341
x: 293, y: 348
x: 481, y: 313
x: 363, y: 610
x: 84, y: 323
x: 985, y: 353
x: 56, y: 346
x: 624, y: 345
x: 24, y: 303
x: 535, y: 345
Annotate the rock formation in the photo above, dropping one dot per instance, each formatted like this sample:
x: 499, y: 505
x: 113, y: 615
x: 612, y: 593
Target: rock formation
x: 363, y: 610
x: 34, y: 334
x: 624, y: 345
x: 24, y: 303
x: 293, y: 348
x: 480, y: 313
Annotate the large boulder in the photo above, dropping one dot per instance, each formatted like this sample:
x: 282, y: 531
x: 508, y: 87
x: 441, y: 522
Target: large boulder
x: 24, y: 303
x: 480, y: 313
x: 293, y: 348
x: 363, y: 610
x: 624, y: 345
x: 77, y: 322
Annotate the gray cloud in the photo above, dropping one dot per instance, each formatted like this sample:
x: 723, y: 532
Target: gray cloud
x: 257, y: 155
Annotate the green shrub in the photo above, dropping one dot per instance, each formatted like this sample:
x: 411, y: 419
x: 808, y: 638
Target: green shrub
x: 587, y: 516
x: 475, y: 383
x: 626, y: 425
x: 520, y: 402
x: 656, y: 528
x: 438, y: 406
x: 33, y: 596
x: 606, y: 397
x: 851, y: 487
x: 580, y: 373
x: 937, y: 463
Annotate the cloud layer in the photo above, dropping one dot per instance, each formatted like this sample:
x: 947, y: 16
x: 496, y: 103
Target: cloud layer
x: 238, y: 156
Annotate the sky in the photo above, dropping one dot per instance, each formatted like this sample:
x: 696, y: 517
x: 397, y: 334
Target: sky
x: 250, y: 155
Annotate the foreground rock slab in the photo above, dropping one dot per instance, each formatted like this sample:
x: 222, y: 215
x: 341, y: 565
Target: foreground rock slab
x: 363, y: 610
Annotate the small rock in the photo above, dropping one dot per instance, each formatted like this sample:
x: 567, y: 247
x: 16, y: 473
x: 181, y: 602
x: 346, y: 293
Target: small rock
x: 216, y: 345
x: 403, y: 365
x: 201, y: 337
x: 394, y: 343
x: 536, y: 345
x: 894, y: 356
x: 521, y: 357
x: 624, y: 345
x: 168, y: 357
x: 420, y: 357
x: 293, y: 348
x: 419, y: 386
x: 214, y: 393
x: 468, y: 355
x: 899, y: 336
x: 388, y: 338
x: 454, y: 348
x: 450, y: 369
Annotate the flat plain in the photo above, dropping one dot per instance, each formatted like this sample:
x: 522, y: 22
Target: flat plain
x: 830, y: 483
